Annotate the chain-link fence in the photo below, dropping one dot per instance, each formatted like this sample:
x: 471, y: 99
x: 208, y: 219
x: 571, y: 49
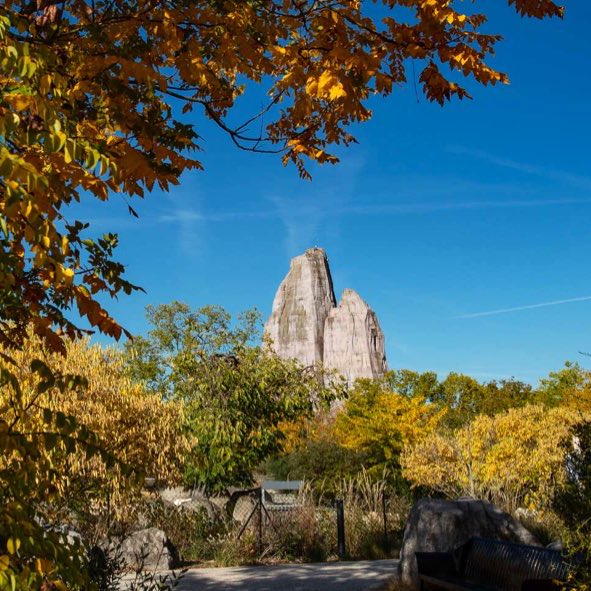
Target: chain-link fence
x: 374, y: 531
x: 301, y: 527
x: 262, y: 524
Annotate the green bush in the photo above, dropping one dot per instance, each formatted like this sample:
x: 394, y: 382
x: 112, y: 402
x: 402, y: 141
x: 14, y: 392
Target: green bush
x: 322, y: 461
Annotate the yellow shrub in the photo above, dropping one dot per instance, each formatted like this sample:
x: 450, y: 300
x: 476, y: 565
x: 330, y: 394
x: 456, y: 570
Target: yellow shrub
x: 516, y: 458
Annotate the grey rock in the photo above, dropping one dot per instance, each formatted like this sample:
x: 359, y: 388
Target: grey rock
x: 193, y: 500
x: 441, y: 526
x: 69, y: 536
x: 149, y: 548
x: 302, y: 303
x: 173, y: 494
x: 73, y: 538
x: 353, y: 340
x: 204, y: 506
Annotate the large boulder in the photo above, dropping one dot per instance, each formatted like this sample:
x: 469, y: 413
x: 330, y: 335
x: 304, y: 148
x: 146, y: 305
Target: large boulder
x: 436, y: 525
x: 148, y: 548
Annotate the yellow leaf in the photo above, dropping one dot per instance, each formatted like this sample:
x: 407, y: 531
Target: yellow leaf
x: 20, y: 101
x: 337, y: 91
x: 43, y: 566
x: 325, y: 79
x: 12, y: 545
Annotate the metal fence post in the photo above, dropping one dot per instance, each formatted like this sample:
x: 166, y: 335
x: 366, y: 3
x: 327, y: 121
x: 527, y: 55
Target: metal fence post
x: 385, y: 514
x: 341, y: 548
x: 261, y: 521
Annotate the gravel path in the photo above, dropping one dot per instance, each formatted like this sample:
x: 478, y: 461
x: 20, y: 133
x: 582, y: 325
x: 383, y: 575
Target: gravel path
x: 334, y: 576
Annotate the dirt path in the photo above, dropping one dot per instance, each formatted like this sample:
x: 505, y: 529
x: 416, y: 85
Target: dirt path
x: 334, y: 576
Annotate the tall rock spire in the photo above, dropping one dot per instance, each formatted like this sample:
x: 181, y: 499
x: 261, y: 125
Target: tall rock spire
x: 302, y: 303
x: 307, y: 325
x: 353, y: 339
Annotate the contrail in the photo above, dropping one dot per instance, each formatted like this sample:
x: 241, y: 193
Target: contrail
x: 530, y: 307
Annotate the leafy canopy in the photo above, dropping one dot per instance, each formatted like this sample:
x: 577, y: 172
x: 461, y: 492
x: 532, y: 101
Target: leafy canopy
x: 74, y: 449
x: 92, y: 95
x: 516, y: 458
x: 238, y: 396
x: 380, y: 423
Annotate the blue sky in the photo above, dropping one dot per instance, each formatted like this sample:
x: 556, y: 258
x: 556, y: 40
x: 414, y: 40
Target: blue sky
x: 442, y: 219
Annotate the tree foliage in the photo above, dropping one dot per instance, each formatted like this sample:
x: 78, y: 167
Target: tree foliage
x: 570, y: 386
x: 516, y: 458
x: 383, y: 417
x: 462, y: 396
x: 238, y: 396
x: 31, y: 556
x: 92, y: 95
x: 75, y: 449
x: 380, y: 423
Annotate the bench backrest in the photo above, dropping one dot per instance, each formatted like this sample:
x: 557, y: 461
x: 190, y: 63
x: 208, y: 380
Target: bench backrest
x: 507, y: 565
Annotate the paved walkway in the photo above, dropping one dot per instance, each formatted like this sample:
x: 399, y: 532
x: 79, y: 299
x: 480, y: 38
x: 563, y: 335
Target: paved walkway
x: 334, y: 576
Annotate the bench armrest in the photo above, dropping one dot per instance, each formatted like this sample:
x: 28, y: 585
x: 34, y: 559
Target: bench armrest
x: 436, y: 564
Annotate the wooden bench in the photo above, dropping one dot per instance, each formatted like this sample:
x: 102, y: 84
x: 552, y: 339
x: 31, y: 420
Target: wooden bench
x: 492, y: 565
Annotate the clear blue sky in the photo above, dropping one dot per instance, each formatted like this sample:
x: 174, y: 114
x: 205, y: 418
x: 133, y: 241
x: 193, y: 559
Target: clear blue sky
x: 437, y: 216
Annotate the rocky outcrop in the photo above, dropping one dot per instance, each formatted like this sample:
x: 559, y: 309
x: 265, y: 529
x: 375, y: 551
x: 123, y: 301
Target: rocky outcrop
x: 302, y: 303
x: 353, y: 339
x: 436, y: 525
x: 307, y: 325
x: 148, y: 548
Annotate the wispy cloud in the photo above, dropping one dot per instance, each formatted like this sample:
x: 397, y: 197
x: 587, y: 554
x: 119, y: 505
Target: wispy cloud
x: 563, y: 176
x: 309, y: 213
x: 528, y: 307
x: 184, y: 213
x: 296, y: 214
x: 226, y: 216
x: 305, y: 211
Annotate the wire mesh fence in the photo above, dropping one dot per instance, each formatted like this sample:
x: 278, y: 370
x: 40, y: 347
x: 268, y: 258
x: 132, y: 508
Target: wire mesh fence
x: 302, y: 529
x: 265, y: 525
x: 309, y: 528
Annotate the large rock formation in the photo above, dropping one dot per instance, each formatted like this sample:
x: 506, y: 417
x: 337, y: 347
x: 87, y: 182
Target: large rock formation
x: 302, y: 303
x: 435, y: 525
x: 353, y: 339
x: 307, y: 325
x: 148, y: 548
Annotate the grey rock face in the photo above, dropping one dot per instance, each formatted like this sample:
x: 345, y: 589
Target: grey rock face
x: 190, y: 500
x: 149, y: 548
x: 353, y: 339
x: 307, y: 325
x: 441, y: 526
x: 302, y: 303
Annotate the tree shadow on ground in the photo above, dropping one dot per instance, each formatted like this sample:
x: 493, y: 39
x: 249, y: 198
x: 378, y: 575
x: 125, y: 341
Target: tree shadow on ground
x: 339, y: 576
